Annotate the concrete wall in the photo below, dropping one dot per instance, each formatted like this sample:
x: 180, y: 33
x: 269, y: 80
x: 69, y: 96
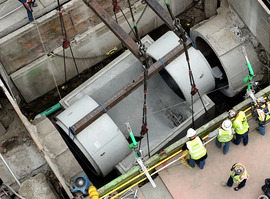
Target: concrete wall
x: 23, y: 56
x: 255, y: 17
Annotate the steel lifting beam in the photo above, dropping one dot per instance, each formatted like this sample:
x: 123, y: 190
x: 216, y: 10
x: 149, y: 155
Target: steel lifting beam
x: 122, y: 93
x: 113, y: 26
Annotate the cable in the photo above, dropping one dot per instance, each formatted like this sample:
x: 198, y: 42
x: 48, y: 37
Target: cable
x: 78, y: 58
x: 116, y: 8
x: 134, y: 24
x: 66, y: 43
x: 139, y: 18
x: 12, y: 190
x: 50, y: 64
x: 181, y: 34
x: 169, y: 107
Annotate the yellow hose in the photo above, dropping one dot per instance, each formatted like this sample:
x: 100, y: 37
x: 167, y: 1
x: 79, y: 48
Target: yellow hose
x: 93, y: 193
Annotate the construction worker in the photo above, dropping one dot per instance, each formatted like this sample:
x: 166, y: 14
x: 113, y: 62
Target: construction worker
x: 240, y: 126
x: 225, y: 135
x: 196, y: 149
x: 261, y: 112
x: 28, y: 6
x: 238, y: 175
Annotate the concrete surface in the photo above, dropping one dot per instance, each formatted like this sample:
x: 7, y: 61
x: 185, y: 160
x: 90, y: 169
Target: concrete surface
x: 17, y: 148
x: 183, y: 182
x: 13, y: 15
x: 160, y: 192
x: 37, y: 187
x: 56, y: 148
x: 256, y: 18
x: 23, y: 53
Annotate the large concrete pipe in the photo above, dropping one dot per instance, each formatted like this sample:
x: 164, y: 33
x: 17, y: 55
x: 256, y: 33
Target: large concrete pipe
x: 178, y: 68
x: 98, y: 139
x: 220, y: 39
x: 167, y: 115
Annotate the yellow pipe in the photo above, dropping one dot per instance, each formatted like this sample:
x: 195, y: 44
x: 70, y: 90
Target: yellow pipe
x: 118, y: 194
x: 176, y: 153
x: 93, y: 193
x: 156, y: 165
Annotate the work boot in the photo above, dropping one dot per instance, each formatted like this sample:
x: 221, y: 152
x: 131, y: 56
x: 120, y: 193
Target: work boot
x: 35, y: 4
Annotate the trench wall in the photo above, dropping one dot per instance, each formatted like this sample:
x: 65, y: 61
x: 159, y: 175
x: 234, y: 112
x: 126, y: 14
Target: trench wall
x: 256, y: 18
x: 23, y: 54
x: 25, y: 45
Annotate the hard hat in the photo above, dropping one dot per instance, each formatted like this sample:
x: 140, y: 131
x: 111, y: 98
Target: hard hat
x: 261, y: 100
x: 226, y: 124
x: 232, y: 113
x: 238, y: 170
x: 190, y: 132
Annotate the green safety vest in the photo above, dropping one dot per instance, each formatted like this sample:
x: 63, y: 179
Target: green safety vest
x: 240, y: 123
x: 224, y: 136
x: 261, y: 114
x: 239, y: 178
x: 196, y: 148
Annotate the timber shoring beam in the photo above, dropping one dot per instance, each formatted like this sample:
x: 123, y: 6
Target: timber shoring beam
x: 122, y: 93
x: 114, y: 27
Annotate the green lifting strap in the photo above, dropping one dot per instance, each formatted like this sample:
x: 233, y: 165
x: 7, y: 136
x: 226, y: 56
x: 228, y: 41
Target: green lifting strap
x: 248, y: 78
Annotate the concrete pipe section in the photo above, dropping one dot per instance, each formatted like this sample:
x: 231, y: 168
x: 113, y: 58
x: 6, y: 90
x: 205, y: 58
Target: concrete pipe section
x: 221, y: 40
x: 168, y: 113
x: 102, y: 142
x: 178, y: 69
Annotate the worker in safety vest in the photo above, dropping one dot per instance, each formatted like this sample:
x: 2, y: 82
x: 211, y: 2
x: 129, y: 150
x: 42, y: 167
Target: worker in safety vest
x: 196, y: 149
x: 239, y: 175
x: 28, y: 6
x: 262, y: 113
x: 225, y: 135
x: 240, y: 126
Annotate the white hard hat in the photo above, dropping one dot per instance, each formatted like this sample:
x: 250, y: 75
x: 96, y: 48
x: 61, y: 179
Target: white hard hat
x: 261, y: 100
x: 226, y: 124
x: 239, y: 170
x: 190, y: 132
x: 232, y: 113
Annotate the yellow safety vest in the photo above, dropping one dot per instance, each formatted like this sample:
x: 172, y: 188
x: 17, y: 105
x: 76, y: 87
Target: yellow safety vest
x: 239, y: 178
x: 224, y: 136
x: 240, y: 123
x: 196, y: 148
x: 261, y: 113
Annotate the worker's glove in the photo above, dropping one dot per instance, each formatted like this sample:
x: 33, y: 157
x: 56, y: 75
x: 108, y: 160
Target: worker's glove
x: 236, y: 188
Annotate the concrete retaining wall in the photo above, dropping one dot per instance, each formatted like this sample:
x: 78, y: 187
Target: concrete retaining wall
x: 256, y: 18
x: 24, y: 56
